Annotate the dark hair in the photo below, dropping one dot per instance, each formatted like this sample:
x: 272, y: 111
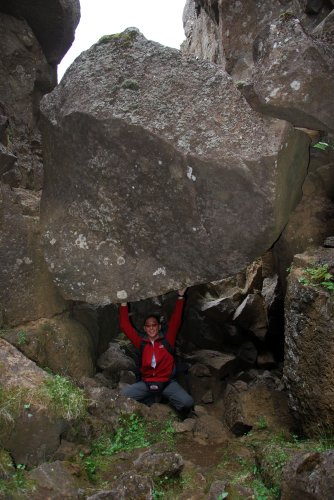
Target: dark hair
x: 155, y: 316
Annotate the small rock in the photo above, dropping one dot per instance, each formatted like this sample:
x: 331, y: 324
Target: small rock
x: 159, y: 464
x: 329, y: 242
x: 186, y: 426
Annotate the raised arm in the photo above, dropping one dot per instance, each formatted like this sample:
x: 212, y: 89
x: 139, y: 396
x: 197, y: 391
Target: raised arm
x: 126, y: 326
x: 175, y: 319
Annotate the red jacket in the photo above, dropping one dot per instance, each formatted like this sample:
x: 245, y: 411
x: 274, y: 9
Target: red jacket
x: 164, y: 360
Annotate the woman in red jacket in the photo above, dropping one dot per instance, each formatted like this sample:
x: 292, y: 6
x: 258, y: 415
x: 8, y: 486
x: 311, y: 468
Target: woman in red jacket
x: 157, y: 361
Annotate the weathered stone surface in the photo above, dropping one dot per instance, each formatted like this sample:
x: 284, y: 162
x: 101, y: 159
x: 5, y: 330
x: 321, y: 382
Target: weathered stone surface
x: 309, y: 475
x: 153, y: 201
x: 244, y: 407
x: 52, y: 21
x: 200, y: 382
x: 203, y: 38
x: 217, y: 488
x: 247, y: 354
x: 252, y: 315
x: 7, y: 160
x: 115, y: 360
x: 219, y: 363
x: 129, y: 485
x: 329, y: 242
x: 25, y: 76
x: 283, y: 50
x: 167, y: 464
x: 53, y: 480
x: 227, y: 30
x: 270, y: 291
x: 211, y: 429
x: 27, y: 292
x: 30, y: 434
x: 60, y: 343
x: 265, y: 360
x: 293, y: 75
x: 325, y: 30
x: 309, y: 330
x: 106, y: 405
x: 313, y: 219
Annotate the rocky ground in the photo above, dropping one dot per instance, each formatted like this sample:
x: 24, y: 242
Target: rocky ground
x: 90, y: 442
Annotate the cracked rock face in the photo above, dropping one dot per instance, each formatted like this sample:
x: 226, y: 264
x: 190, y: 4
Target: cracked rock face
x: 309, y: 332
x: 158, y: 173
x: 280, y: 53
x: 293, y: 74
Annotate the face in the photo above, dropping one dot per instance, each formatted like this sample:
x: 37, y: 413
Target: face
x: 152, y: 328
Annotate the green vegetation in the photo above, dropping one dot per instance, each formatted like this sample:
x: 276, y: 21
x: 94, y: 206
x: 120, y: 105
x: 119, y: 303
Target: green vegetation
x: 318, y: 276
x: 125, y: 38
x: 222, y: 495
x: 132, y: 432
x: 167, y: 487
x: 67, y: 400
x: 11, y: 404
x: 285, y: 16
x: 15, y: 484
x: 10, y: 135
x: 130, y: 84
x: 21, y: 337
x: 262, y: 492
x: 323, y: 145
x: 57, y: 393
x: 261, y: 423
x: 130, y: 435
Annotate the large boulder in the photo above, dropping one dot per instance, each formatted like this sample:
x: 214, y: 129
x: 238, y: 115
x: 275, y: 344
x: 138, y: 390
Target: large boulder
x: 29, y: 429
x: 255, y: 406
x: 309, y: 331
x: 293, y: 74
x: 60, y: 343
x: 309, y: 475
x: 173, y: 178
x: 224, y: 31
x: 165, y: 464
x: 52, y: 21
x: 53, y: 480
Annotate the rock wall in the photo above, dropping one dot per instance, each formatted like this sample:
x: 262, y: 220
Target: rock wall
x: 309, y: 328
x: 52, y: 21
x: 33, y: 38
x: 279, y: 53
